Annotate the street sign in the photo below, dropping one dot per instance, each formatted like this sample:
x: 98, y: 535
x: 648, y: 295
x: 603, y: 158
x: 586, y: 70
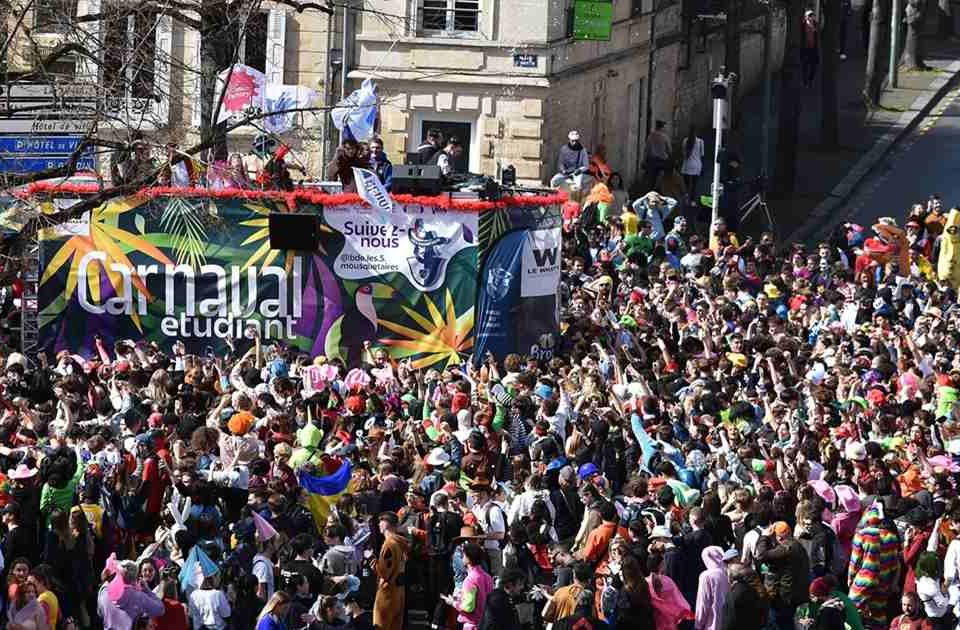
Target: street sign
x: 592, y: 20
x: 55, y: 145
x: 31, y: 126
x: 32, y: 164
x: 525, y: 60
x: 47, y: 91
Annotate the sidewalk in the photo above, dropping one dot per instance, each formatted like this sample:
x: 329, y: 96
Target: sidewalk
x: 863, y: 140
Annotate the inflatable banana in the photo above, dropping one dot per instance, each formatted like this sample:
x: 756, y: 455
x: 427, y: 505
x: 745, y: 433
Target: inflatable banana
x: 948, y: 264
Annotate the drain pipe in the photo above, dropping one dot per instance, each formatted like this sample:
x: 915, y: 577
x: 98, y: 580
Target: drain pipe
x: 650, y: 66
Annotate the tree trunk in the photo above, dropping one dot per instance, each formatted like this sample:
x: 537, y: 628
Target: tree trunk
x: 829, y: 42
x: 915, y: 16
x: 871, y: 79
x: 788, y: 132
x: 218, y: 48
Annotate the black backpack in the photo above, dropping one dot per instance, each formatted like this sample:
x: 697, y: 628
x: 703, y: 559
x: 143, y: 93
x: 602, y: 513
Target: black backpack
x: 442, y: 528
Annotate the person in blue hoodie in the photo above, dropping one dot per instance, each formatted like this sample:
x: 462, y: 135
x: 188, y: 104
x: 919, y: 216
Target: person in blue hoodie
x: 380, y: 163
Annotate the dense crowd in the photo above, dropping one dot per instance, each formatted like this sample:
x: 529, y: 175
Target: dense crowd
x: 728, y: 434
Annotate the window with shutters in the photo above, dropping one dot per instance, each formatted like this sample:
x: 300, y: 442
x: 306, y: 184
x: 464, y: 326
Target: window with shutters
x: 261, y: 44
x: 133, y: 72
x: 131, y: 39
x: 53, y: 16
x: 451, y: 17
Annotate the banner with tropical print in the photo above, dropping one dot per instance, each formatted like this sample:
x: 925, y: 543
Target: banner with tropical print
x: 200, y: 270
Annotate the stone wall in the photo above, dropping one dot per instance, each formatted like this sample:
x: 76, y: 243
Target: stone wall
x: 606, y: 98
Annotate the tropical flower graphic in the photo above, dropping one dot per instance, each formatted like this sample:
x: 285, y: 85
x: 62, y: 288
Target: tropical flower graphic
x: 441, y: 338
x: 262, y: 233
x: 106, y: 236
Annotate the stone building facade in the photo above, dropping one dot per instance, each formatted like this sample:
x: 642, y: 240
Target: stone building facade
x: 508, y: 78
x: 161, y: 57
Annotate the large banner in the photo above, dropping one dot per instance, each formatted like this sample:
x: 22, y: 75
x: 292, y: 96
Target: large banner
x: 175, y: 268
x: 518, y: 302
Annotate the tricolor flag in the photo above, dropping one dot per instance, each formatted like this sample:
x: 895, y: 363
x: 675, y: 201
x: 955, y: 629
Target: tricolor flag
x: 324, y: 492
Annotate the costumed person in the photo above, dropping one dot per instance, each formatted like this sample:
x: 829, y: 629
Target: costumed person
x: 712, y: 591
x: 948, y: 263
x: 275, y: 174
x: 889, y: 244
x: 874, y: 567
x: 390, y: 604
x: 258, y: 156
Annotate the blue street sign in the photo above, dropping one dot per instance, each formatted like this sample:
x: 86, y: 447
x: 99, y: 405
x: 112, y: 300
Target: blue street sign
x: 39, y: 145
x: 31, y: 164
x: 36, y: 152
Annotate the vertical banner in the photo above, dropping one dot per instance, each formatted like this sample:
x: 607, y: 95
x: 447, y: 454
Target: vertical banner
x: 499, y: 297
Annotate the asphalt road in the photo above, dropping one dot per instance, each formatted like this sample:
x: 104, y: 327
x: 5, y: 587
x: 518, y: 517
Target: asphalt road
x: 925, y: 162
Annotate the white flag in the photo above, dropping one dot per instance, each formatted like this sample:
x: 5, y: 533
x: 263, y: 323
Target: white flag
x: 356, y: 115
x: 282, y: 98
x: 245, y: 91
x: 371, y: 190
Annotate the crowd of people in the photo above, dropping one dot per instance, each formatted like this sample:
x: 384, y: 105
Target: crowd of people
x: 729, y: 433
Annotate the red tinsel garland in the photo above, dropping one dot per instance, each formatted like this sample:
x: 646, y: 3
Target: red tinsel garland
x: 445, y: 202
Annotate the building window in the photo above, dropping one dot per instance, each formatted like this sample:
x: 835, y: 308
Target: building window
x: 450, y: 16
x: 133, y: 71
x: 54, y: 16
x: 132, y: 39
x: 262, y: 43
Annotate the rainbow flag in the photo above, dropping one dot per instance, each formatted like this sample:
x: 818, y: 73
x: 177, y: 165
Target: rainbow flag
x: 324, y: 492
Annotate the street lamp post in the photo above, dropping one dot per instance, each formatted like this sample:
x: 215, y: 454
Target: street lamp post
x: 719, y: 89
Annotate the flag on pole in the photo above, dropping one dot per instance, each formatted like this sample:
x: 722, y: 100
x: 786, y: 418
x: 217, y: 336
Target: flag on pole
x: 324, y: 492
x: 356, y: 115
x: 243, y: 91
x: 282, y: 98
x: 372, y: 190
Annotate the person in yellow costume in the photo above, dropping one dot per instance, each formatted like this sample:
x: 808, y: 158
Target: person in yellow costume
x: 948, y: 264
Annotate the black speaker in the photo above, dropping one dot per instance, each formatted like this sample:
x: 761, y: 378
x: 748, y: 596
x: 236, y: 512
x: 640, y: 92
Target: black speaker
x: 416, y: 179
x: 294, y: 231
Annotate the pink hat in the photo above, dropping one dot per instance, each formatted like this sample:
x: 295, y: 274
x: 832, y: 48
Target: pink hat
x: 356, y: 379
x: 945, y: 462
x: 848, y: 498
x: 265, y: 531
x: 22, y: 471
x: 823, y: 490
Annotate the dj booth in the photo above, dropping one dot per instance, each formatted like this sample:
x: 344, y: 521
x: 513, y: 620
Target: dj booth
x: 436, y: 280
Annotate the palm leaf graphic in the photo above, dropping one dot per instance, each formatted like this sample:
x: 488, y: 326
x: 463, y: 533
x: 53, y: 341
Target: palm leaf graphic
x: 184, y: 222
x: 493, y: 225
